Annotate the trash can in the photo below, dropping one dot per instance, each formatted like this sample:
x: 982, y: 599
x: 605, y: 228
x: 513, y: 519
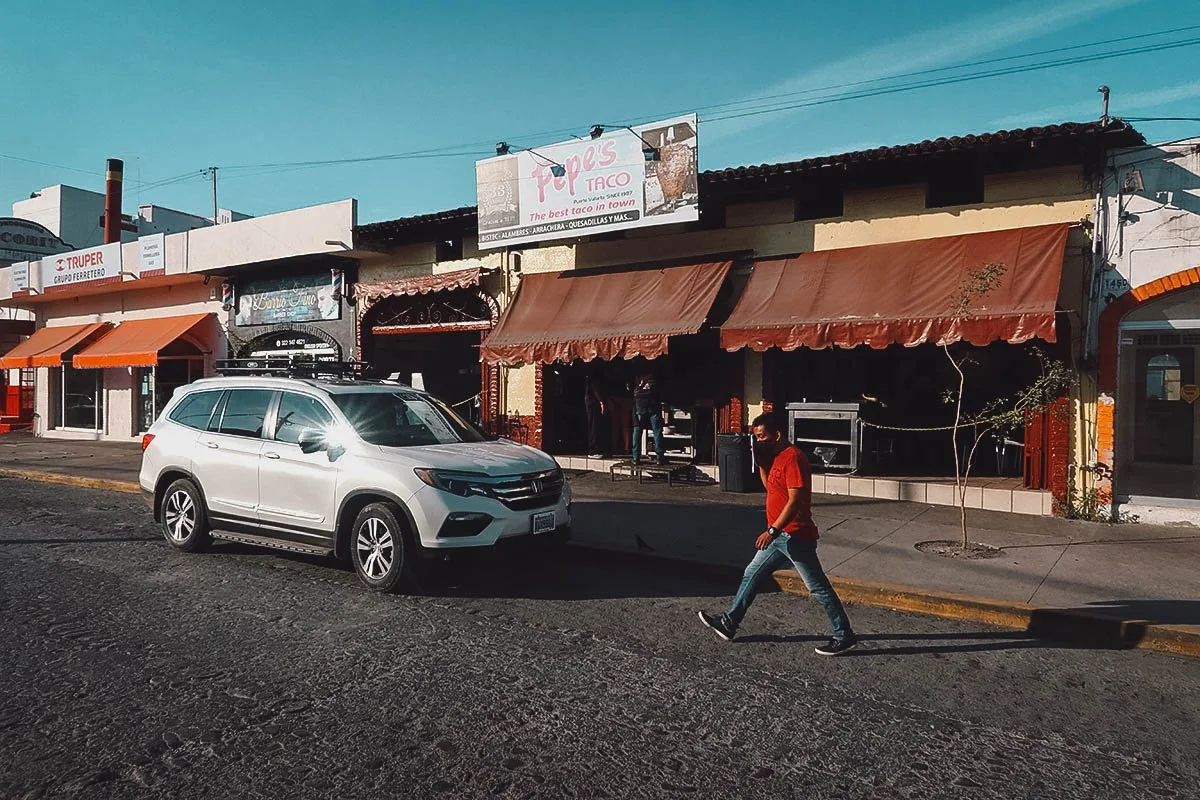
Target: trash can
x: 733, y: 461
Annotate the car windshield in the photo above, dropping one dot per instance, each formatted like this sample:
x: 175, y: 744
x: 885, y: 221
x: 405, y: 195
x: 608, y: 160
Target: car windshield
x: 404, y: 419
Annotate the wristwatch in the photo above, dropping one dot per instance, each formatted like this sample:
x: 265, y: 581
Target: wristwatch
x: 774, y: 531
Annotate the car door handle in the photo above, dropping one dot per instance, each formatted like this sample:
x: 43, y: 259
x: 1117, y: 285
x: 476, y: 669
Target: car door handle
x: 271, y: 455
x: 212, y: 445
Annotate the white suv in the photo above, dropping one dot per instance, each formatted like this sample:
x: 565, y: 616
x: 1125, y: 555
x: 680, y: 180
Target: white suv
x: 376, y: 473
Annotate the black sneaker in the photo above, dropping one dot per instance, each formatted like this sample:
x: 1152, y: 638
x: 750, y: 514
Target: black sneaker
x: 717, y: 623
x: 836, y: 647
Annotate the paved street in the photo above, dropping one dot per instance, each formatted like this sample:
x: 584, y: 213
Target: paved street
x: 129, y: 670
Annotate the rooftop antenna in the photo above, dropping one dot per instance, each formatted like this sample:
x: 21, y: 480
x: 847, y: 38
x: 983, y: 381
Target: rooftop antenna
x: 1104, y: 116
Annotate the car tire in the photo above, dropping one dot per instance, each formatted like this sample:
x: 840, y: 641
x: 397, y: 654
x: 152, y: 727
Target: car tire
x: 184, y: 518
x: 381, y: 551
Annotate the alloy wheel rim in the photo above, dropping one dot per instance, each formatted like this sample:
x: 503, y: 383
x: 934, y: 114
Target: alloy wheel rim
x: 179, y: 516
x: 376, y: 548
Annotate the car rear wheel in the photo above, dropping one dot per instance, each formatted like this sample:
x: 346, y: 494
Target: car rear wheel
x: 184, y: 517
x: 380, y: 550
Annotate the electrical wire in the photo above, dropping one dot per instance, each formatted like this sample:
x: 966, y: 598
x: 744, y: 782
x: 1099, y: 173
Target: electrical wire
x: 1161, y: 119
x: 952, y: 67
x: 776, y: 108
x: 737, y: 109
x: 50, y: 164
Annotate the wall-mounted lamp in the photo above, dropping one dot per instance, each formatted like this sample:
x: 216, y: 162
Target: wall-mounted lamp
x: 596, y: 132
x: 133, y: 275
x: 338, y: 243
x: 1133, y: 182
x: 502, y: 148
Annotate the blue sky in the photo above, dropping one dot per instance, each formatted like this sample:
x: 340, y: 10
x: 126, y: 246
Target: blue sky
x: 174, y: 87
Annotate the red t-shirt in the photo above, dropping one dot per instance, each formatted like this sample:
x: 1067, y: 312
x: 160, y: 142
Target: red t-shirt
x: 790, y: 470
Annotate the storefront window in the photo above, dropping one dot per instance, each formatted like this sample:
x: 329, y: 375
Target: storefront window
x: 82, y: 403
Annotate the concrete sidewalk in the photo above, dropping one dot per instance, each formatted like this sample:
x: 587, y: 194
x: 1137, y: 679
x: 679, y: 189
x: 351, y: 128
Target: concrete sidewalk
x: 1103, y: 585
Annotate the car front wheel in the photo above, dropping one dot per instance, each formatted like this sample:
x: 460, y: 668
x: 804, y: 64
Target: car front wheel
x: 380, y: 551
x: 184, y: 517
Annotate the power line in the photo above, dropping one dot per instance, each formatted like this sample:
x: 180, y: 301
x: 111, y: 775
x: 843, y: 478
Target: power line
x: 751, y: 110
x: 50, y: 164
x: 954, y: 80
x: 750, y: 107
x: 1161, y: 119
x: 950, y: 68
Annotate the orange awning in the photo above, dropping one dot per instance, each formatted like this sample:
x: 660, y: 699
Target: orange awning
x: 136, y: 342
x: 562, y: 316
x: 902, y: 293
x: 47, y: 346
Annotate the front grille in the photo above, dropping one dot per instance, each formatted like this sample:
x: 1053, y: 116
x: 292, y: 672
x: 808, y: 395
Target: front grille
x: 527, y: 492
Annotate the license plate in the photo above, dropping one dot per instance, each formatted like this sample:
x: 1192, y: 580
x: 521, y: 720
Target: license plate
x: 543, y: 523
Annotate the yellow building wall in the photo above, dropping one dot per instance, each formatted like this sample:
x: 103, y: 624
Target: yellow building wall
x: 766, y: 229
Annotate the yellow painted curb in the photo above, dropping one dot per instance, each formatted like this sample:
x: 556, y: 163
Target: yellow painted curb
x: 1054, y: 623
x: 70, y: 480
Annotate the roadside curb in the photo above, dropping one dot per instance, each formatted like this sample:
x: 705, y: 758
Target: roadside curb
x: 42, y: 476
x: 1079, y: 626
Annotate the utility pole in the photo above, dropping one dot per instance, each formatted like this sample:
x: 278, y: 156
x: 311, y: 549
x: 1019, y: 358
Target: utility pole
x: 213, y: 172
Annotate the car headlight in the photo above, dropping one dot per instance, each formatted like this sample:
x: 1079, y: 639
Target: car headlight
x: 463, y: 484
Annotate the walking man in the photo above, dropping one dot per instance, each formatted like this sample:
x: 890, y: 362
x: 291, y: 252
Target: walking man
x: 791, y: 536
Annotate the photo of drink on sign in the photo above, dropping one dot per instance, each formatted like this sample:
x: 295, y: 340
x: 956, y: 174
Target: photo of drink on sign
x: 671, y: 181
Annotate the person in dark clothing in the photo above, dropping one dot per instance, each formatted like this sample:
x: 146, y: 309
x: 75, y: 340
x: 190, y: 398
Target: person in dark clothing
x: 596, y: 407
x: 647, y: 414
x: 791, y: 537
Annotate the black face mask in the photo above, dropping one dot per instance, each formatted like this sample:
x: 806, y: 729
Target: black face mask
x: 764, y: 452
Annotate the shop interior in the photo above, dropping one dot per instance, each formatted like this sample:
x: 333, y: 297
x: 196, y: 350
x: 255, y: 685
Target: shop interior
x: 899, y: 387
x: 446, y: 364
x: 696, y: 381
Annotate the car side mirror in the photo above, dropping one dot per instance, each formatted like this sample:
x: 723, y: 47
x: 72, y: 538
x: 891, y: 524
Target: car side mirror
x: 311, y: 441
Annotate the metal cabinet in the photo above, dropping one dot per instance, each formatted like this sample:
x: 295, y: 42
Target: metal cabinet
x: 830, y: 434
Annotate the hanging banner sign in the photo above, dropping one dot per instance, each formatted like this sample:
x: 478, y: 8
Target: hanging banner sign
x: 152, y: 253
x: 300, y: 298
x: 20, y: 276
x: 622, y: 178
x: 92, y: 265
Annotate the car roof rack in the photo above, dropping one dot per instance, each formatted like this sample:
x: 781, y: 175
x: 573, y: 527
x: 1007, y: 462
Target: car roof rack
x: 293, y: 366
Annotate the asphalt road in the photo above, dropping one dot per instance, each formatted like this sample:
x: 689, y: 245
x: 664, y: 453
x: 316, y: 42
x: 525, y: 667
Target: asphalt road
x: 129, y: 670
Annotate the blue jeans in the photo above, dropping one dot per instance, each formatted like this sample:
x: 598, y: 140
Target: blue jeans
x: 644, y: 418
x: 803, y: 556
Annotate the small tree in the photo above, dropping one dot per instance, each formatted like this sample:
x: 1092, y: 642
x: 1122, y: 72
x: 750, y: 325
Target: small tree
x: 1001, y: 415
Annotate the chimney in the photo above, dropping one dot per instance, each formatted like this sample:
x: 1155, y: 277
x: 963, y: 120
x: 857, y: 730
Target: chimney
x: 112, y: 200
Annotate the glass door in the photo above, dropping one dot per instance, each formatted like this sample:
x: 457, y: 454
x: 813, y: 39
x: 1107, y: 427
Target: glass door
x: 145, y: 407
x: 1164, y: 419
x: 82, y: 398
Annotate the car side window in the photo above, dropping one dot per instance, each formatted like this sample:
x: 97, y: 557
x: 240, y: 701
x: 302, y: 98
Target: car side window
x: 245, y: 411
x: 297, y: 412
x: 195, y: 410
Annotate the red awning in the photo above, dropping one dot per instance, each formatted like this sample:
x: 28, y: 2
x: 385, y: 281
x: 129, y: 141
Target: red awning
x: 562, y: 316
x: 136, y: 342
x: 47, y: 346
x: 902, y: 293
x: 421, y: 284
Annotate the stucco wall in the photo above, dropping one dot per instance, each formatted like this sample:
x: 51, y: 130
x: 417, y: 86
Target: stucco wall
x: 871, y: 216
